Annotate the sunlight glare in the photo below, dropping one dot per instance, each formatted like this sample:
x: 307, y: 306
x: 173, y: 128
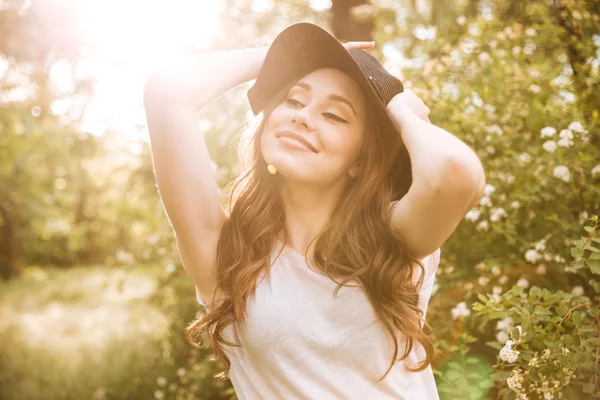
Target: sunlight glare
x: 128, y: 38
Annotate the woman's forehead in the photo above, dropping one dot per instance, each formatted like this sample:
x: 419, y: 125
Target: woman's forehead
x: 328, y: 81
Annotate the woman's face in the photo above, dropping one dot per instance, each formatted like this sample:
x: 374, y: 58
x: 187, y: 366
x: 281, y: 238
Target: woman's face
x: 326, y: 109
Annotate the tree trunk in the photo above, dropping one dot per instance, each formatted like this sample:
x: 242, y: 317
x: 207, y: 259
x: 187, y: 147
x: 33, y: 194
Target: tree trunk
x: 345, y: 27
x: 9, y: 258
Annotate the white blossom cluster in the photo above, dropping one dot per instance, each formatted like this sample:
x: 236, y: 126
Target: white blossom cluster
x: 460, y: 310
x: 504, y: 327
x: 566, y: 136
x: 515, y: 380
x: 562, y: 172
x: 507, y: 353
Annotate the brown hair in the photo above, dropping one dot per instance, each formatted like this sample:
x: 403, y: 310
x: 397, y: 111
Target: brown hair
x: 356, y: 245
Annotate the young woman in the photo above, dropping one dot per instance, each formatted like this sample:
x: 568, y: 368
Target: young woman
x: 318, y: 275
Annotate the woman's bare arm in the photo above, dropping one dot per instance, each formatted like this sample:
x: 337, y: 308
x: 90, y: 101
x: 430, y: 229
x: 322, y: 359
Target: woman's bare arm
x: 182, y: 167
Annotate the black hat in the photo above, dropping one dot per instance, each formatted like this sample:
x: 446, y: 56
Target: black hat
x: 304, y: 47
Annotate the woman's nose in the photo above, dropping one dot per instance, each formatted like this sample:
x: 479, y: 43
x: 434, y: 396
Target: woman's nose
x: 303, y: 116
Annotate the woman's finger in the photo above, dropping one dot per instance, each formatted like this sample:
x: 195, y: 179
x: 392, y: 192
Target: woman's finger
x: 359, y: 45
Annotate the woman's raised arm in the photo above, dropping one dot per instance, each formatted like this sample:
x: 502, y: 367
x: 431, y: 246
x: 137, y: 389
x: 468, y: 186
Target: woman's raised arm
x: 182, y: 167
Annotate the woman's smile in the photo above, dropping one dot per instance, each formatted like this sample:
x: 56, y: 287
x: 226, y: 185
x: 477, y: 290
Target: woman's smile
x: 294, y: 144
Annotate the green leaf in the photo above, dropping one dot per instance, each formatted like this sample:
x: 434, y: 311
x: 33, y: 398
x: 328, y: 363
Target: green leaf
x: 594, y: 266
x: 575, y: 252
x: 494, y: 345
x: 515, y: 334
x: 485, y: 384
x: 588, y: 388
x: 452, y: 375
x: 540, y: 310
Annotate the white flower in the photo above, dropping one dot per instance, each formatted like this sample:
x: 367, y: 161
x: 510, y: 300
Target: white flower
x: 566, y: 138
x: 170, y: 268
x: 576, y: 126
x: 483, y: 280
x: 490, y: 108
x: 534, y: 362
x: 562, y: 172
x: 483, y: 226
x: 541, y: 245
x: 566, y: 143
x: 577, y: 291
x: 460, y: 310
x: 473, y: 215
x: 497, y: 290
x: 505, y: 324
x: 596, y: 171
x: 502, y: 337
x: 507, y: 353
x: 546, y: 354
x: 530, y: 32
x: 484, y: 57
x: 503, y: 279
x: 583, y: 217
x: 461, y: 20
x: 497, y: 213
x: 541, y: 269
x: 161, y: 381
x: 515, y: 380
x: 566, y: 134
x: 489, y: 189
x: 524, y: 158
x: 532, y: 256
x: 535, y: 88
x: 485, y: 201
x: 158, y: 394
x: 496, y: 270
x: 549, y: 146
x: 548, y: 132
x: 494, y: 129
x: 515, y: 204
x: 524, y: 283
x: 181, y: 372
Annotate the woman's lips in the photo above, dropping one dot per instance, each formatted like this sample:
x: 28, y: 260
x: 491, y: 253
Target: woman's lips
x: 294, y: 144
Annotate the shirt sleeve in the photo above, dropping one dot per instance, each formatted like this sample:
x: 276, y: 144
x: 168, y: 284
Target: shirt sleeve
x: 430, y: 263
x: 199, y: 298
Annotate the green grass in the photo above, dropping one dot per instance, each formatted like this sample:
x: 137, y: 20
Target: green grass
x: 70, y: 333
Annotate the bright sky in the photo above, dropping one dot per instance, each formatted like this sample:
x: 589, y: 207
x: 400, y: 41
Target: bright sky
x: 126, y: 39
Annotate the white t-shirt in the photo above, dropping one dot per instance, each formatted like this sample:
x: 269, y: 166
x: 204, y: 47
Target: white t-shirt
x: 299, y: 342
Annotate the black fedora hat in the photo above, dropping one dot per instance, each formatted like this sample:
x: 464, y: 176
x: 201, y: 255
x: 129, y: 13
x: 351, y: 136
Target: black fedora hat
x: 304, y: 47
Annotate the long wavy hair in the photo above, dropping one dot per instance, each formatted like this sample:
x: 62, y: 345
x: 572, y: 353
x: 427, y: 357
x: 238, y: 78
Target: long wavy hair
x: 357, y: 244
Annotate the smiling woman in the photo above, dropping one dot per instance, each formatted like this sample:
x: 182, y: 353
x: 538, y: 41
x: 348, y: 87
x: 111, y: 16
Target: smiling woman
x: 307, y: 232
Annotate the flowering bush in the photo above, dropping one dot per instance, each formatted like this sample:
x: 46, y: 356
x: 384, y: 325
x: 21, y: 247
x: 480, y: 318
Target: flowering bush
x: 556, y: 339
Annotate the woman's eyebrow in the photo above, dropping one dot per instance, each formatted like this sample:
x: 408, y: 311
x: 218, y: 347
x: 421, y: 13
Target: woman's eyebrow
x: 332, y: 96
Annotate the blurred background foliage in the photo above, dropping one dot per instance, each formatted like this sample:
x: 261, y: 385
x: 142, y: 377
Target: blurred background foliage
x: 94, y: 302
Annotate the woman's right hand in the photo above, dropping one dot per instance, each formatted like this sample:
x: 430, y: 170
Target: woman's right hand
x: 359, y: 45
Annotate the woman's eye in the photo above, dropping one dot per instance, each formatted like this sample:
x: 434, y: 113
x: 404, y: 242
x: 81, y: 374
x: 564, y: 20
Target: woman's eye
x: 296, y: 103
x: 293, y: 102
x: 335, y: 117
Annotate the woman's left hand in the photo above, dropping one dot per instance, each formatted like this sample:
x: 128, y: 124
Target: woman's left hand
x: 409, y: 100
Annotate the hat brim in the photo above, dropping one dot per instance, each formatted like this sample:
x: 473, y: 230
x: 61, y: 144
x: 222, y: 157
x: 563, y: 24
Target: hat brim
x: 304, y: 47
